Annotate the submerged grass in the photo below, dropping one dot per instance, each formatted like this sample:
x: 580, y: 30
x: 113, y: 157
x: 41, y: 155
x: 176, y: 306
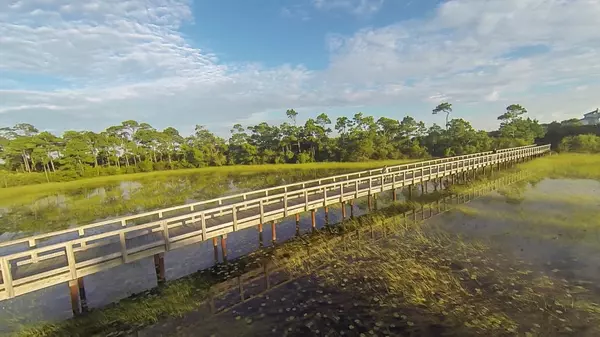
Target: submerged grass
x: 421, y: 280
x: 184, y: 295
x: 174, y: 299
x: 581, y: 226
x: 434, y: 283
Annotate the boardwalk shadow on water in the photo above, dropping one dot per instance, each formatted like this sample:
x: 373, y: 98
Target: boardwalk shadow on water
x: 493, y: 267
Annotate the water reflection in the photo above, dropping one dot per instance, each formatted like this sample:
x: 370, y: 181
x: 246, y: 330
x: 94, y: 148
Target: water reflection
x: 63, y: 209
x: 537, y: 276
x: 552, y: 223
x: 496, y: 218
x: 88, y: 204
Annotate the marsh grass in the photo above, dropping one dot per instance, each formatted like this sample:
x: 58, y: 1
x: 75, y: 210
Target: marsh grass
x: 566, y: 165
x: 435, y: 279
x: 419, y: 279
x: 43, y: 208
x: 184, y: 295
x: 19, y: 194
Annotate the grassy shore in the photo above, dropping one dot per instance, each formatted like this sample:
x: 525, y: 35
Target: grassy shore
x: 566, y: 165
x: 18, y: 194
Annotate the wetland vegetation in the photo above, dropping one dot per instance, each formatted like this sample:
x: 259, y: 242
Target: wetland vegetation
x: 55, y: 206
x: 494, y: 266
x: 515, y: 262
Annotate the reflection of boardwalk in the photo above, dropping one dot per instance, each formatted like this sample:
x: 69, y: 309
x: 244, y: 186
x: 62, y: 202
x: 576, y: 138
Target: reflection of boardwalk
x: 41, y: 261
x: 261, y: 290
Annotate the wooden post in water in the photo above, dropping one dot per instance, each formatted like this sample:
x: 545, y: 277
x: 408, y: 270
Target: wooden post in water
x: 343, y: 210
x: 326, y: 216
x: 260, y: 235
x: 216, y: 249
x: 422, y: 188
x: 224, y: 247
x: 159, y: 267
x: 82, y: 296
x: 352, y: 209
x: 74, y: 292
x: 410, y: 188
x: 273, y: 232
x: 394, y: 195
x: 313, y: 220
x: 369, y: 202
x: 426, y: 183
x: 375, y: 201
x: 297, y: 224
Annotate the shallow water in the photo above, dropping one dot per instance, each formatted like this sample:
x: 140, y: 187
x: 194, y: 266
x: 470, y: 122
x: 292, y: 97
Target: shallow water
x: 77, y: 206
x: 553, y: 224
x: 518, y: 223
x: 570, y: 253
x: 61, y: 209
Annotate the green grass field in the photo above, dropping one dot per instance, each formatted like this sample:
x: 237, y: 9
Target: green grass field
x: 566, y: 165
x: 20, y: 194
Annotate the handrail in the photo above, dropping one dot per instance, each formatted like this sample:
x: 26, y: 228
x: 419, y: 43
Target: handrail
x: 80, y: 229
x: 40, y: 279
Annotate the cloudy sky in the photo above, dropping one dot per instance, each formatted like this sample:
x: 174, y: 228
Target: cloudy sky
x: 73, y: 64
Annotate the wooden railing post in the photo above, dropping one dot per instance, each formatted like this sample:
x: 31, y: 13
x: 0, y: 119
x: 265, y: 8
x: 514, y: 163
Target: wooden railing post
x: 123, y: 242
x: 305, y: 200
x: 7, y: 279
x: 34, y: 255
x: 235, y: 220
x: 203, y: 224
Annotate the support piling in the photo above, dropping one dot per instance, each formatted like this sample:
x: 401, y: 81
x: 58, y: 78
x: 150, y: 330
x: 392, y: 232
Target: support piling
x: 224, y: 247
x: 216, y: 249
x: 159, y: 267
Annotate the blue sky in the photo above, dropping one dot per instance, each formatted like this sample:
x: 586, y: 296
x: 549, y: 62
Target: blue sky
x: 69, y: 64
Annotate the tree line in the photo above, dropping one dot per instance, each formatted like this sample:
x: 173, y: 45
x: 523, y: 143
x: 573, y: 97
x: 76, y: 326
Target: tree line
x: 135, y: 146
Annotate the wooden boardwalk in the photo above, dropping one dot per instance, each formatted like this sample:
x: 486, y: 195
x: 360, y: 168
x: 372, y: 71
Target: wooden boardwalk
x: 45, y: 260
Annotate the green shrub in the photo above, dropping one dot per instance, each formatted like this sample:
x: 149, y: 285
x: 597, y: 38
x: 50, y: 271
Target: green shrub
x: 588, y: 143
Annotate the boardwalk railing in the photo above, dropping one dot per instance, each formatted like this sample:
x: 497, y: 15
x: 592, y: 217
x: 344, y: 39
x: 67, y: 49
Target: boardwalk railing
x: 44, y: 260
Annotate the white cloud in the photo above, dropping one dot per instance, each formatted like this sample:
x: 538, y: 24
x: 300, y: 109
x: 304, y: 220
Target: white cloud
x: 493, y: 96
x: 356, y: 7
x: 119, y: 60
x: 469, y: 51
x: 295, y: 12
